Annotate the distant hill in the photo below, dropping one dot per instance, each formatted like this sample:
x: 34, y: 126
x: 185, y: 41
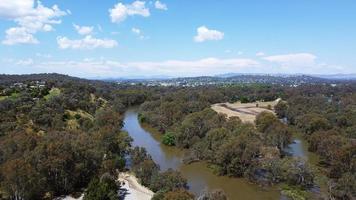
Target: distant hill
x: 231, y: 78
x: 338, y: 76
x: 323, y: 76
x: 8, y: 79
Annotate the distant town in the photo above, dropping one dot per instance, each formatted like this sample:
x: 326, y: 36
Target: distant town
x: 285, y: 80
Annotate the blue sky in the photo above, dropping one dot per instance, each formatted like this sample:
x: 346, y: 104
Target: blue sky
x: 177, y: 38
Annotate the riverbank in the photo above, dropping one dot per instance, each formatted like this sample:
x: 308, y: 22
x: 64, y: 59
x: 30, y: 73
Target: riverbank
x: 131, y: 189
x: 69, y: 198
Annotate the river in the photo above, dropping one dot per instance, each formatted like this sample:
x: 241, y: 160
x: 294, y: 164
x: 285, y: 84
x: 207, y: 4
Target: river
x: 199, y: 176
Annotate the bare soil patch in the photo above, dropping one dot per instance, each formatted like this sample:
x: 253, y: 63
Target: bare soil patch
x: 247, y: 112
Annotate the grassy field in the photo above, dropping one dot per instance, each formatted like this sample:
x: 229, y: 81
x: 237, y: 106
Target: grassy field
x: 52, y: 93
x: 247, y: 112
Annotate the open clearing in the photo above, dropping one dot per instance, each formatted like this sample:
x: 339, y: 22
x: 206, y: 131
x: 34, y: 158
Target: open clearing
x: 247, y: 112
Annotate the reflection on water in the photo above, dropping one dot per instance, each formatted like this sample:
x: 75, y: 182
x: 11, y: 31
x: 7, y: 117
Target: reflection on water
x: 296, y: 149
x: 299, y: 148
x: 198, y: 175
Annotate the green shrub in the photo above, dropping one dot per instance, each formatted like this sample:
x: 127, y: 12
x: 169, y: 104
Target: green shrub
x: 141, y: 118
x: 77, y: 116
x: 294, y: 193
x: 168, y: 139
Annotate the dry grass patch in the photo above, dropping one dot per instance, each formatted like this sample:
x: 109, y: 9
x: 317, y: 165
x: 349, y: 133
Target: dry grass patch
x: 247, y: 112
x: 74, y: 116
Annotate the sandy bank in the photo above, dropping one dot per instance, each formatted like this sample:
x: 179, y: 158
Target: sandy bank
x: 131, y: 189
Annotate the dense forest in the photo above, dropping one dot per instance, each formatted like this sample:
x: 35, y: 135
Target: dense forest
x: 324, y: 114
x: 60, y: 135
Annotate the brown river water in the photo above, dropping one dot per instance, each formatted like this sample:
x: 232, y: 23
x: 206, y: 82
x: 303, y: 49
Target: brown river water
x: 199, y: 176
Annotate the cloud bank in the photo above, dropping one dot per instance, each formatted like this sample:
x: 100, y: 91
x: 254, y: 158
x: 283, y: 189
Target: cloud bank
x: 87, y: 43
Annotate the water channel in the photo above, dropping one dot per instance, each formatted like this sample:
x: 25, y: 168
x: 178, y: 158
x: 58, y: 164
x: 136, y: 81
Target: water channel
x: 199, y: 176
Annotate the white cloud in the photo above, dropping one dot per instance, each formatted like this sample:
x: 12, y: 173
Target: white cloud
x: 83, y: 30
x: 41, y: 17
x: 41, y: 55
x: 29, y: 18
x: 161, y: 6
x: 139, y: 33
x: 203, y: 34
x: 298, y: 59
x: 206, y: 66
x: 11, y: 9
x: 25, y: 62
x: 136, y: 31
x: 111, y: 68
x: 85, y: 68
x: 260, y: 54
x: 100, y: 28
x: 93, y: 67
x: 89, y: 42
x: 121, y: 11
x: 18, y: 35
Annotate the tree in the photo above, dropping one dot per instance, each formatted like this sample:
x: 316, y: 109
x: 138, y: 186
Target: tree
x: 278, y: 134
x: 213, y: 195
x: 232, y: 123
x: 107, y: 117
x: 21, y: 181
x: 264, y: 120
x: 213, y: 141
x: 345, y: 187
x: 168, y: 181
x: 296, y: 171
x: 326, y: 144
x: 104, y: 188
x: 344, y: 162
x: 139, y: 154
x: 143, y: 166
x: 178, y: 195
x: 281, y: 109
x: 312, y: 122
x: 196, y: 125
x: 145, y: 171
x: 236, y: 155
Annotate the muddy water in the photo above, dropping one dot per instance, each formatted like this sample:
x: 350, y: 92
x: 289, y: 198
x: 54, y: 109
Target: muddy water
x: 299, y: 148
x: 199, y: 176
